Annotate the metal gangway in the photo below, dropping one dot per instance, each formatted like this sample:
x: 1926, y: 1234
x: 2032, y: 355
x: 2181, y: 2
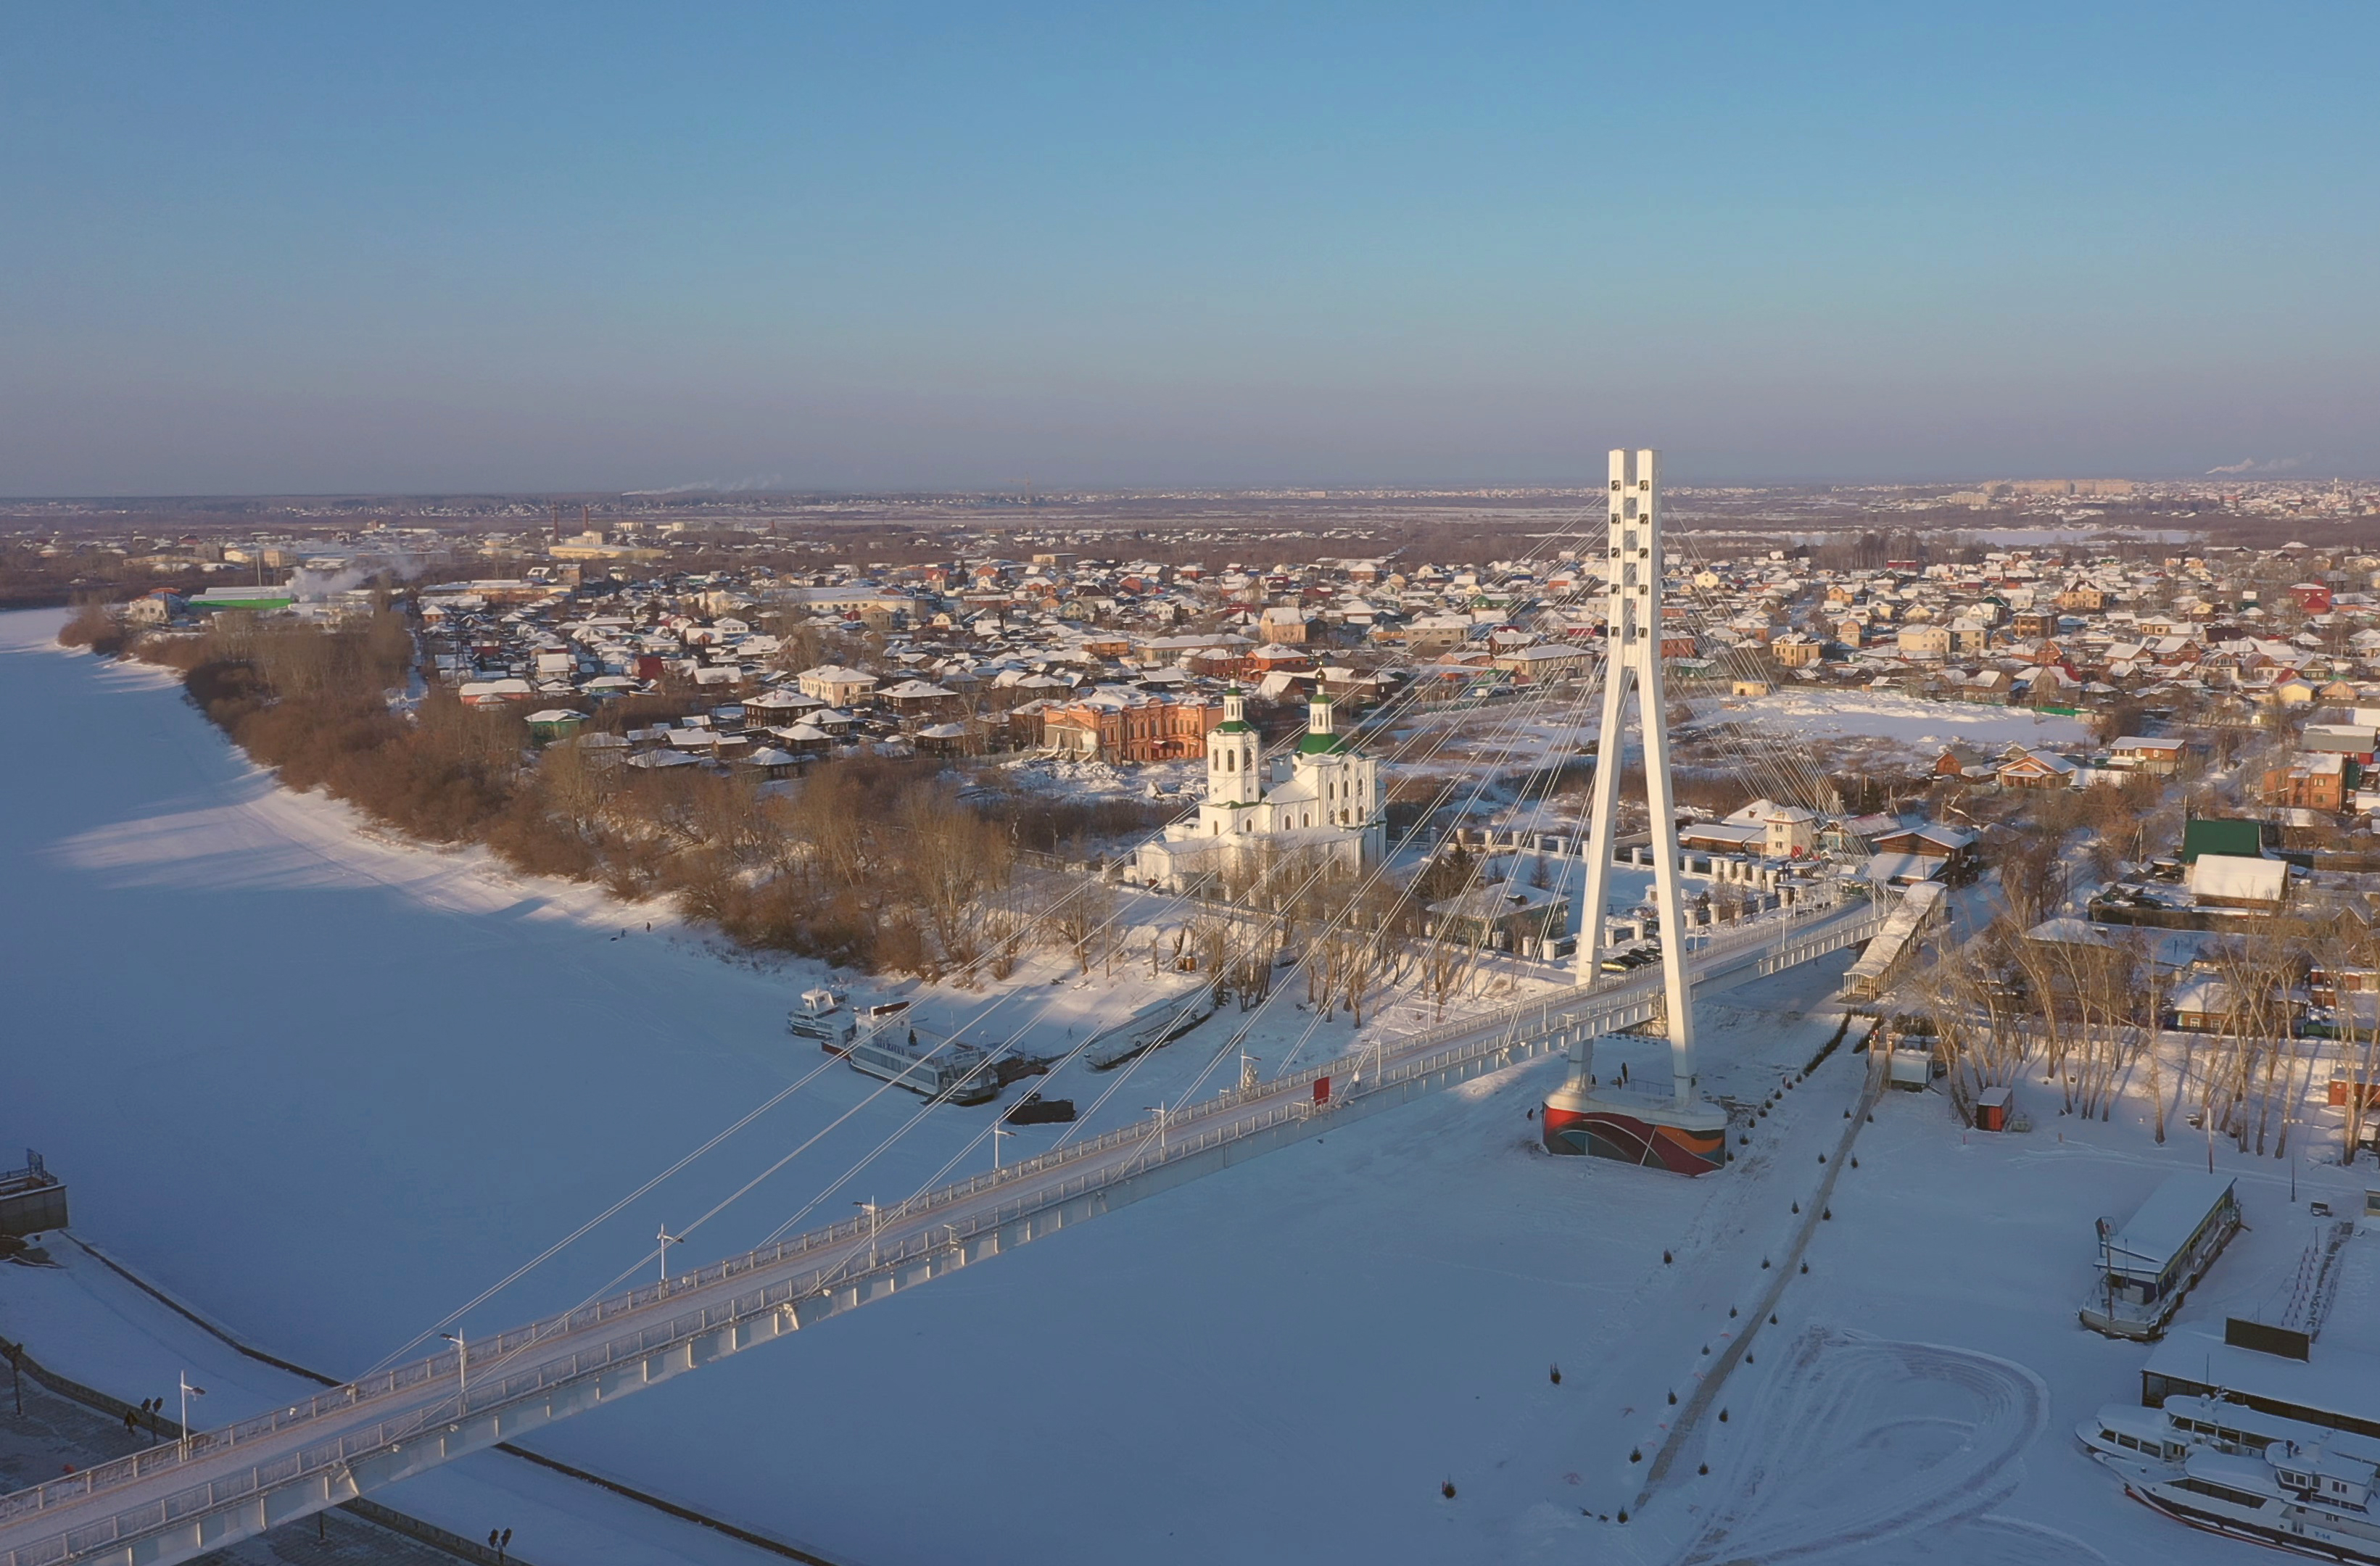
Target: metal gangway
x: 182, y: 1499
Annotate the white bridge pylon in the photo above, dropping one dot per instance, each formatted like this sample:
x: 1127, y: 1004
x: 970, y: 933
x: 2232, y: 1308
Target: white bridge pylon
x: 1632, y: 662
x: 1685, y: 1135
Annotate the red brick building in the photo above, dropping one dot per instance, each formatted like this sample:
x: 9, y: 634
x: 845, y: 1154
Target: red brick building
x: 1114, y: 727
x: 2313, y: 782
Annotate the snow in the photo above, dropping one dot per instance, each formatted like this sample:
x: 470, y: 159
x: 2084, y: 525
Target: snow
x: 328, y: 1088
x: 1912, y: 722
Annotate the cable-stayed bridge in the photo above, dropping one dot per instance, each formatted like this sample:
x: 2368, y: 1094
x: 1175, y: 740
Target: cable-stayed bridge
x: 179, y: 1500
x: 174, y: 1502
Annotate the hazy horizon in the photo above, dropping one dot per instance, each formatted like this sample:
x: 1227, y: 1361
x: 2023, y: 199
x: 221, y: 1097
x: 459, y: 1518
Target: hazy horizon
x: 287, y: 251
x: 1282, y: 488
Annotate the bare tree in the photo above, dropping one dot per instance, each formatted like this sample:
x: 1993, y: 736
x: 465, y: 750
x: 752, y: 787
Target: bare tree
x: 1080, y: 921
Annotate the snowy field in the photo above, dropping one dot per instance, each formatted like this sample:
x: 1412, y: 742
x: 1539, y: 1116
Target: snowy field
x: 326, y: 1089
x: 1919, y: 726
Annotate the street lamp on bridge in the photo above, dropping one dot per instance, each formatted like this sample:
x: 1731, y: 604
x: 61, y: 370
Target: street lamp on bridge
x: 462, y: 1370
x: 869, y: 1208
x: 188, y: 1392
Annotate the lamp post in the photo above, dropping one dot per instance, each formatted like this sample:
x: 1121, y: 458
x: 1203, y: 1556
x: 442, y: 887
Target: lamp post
x: 462, y: 1371
x: 1158, y: 1111
x: 869, y: 1208
x: 997, y: 1132
x: 188, y: 1392
x: 667, y: 1240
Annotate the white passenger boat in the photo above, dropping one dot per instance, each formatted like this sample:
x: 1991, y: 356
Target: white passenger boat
x: 959, y: 1074
x: 821, y: 1016
x: 2219, y: 1466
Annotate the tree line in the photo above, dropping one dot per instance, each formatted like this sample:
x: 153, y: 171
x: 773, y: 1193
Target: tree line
x: 872, y: 862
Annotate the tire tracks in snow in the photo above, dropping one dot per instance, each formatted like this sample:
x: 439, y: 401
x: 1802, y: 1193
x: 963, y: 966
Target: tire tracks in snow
x: 1826, y: 1464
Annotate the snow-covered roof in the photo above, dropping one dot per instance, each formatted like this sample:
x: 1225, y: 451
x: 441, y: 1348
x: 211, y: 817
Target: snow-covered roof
x: 2234, y: 876
x: 2162, y: 1228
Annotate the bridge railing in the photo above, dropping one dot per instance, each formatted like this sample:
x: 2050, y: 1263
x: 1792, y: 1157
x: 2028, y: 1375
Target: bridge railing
x: 1182, y: 1133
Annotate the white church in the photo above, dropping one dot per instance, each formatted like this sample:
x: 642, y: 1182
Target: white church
x: 1328, y: 808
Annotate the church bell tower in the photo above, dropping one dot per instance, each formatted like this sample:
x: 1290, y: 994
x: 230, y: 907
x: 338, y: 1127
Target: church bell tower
x: 1232, y: 756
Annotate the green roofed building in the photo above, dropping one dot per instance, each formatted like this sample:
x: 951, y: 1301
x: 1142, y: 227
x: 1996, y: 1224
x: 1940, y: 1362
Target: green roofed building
x: 2216, y: 834
x: 263, y: 600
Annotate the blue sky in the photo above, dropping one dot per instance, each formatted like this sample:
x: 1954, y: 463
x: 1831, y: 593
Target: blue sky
x: 339, y: 247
